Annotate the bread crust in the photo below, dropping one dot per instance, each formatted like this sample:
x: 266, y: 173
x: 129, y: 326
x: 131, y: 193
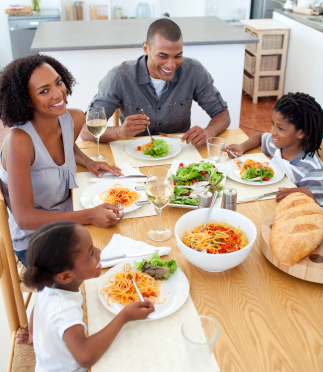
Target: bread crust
x: 297, y: 229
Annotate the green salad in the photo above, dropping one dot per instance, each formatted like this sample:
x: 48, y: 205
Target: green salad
x: 189, y: 175
x: 158, y: 149
x: 262, y: 174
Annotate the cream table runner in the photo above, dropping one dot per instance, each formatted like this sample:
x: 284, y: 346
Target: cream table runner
x: 152, y: 346
x: 121, y: 156
x: 248, y: 191
x: 82, y: 180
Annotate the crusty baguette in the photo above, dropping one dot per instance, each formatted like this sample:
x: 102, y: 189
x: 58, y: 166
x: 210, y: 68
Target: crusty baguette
x: 297, y: 229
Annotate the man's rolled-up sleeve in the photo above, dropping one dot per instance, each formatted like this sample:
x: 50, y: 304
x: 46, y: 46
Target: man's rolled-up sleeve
x: 206, y: 95
x: 108, y: 96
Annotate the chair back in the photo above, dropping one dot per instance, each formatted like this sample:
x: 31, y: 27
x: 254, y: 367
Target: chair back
x: 9, y: 257
x: 115, y: 118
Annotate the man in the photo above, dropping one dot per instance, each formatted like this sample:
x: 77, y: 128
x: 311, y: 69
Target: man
x: 163, y: 84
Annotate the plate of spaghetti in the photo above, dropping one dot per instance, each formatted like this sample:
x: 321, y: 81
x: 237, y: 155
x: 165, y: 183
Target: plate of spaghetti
x: 143, y: 148
x: 217, y: 238
x: 113, y: 191
x: 116, y: 291
x: 257, y: 171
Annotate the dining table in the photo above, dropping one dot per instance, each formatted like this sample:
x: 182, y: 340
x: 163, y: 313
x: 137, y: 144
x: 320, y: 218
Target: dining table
x: 268, y: 320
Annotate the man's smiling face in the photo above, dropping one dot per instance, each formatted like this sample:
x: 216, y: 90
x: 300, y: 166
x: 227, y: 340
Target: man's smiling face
x: 164, y: 57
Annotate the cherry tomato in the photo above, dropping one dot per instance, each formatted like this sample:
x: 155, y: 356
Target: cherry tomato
x: 203, y: 172
x: 213, y: 166
x: 181, y: 165
x: 175, y: 182
x: 138, y: 148
x: 193, y: 180
x: 266, y: 178
x: 188, y: 194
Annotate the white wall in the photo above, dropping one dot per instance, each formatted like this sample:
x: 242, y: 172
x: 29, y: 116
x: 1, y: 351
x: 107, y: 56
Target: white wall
x: 304, y: 59
x: 5, y: 46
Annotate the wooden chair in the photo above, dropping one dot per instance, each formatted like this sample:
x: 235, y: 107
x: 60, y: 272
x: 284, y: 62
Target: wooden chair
x: 22, y: 356
x: 115, y: 118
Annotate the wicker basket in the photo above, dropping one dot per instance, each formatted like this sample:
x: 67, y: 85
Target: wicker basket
x: 272, y: 41
x: 268, y: 63
x: 252, y: 46
x: 266, y: 83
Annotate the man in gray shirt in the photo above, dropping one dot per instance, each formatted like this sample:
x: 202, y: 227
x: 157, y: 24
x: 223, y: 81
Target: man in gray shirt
x: 163, y: 84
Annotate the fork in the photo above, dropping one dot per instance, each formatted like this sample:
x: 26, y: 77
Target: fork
x: 232, y: 153
x: 152, y: 140
x: 129, y: 276
x: 117, y: 212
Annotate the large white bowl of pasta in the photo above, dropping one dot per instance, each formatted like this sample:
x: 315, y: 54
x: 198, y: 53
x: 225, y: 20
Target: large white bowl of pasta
x: 225, y: 243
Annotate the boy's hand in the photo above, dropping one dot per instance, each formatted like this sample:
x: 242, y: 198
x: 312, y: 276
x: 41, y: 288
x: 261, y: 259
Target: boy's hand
x: 23, y: 336
x: 138, y: 310
x: 236, y: 149
x: 283, y: 192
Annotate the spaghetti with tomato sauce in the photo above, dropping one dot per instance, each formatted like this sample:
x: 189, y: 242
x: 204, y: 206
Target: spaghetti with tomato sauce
x: 217, y: 238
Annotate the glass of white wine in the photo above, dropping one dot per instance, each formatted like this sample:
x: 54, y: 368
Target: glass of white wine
x: 96, y: 122
x: 159, y: 190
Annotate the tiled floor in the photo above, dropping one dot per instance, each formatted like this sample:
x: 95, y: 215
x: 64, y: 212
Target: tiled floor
x: 253, y: 119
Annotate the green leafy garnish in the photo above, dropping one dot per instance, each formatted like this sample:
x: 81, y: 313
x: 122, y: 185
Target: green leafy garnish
x: 158, y: 149
x: 156, y: 261
x: 251, y: 173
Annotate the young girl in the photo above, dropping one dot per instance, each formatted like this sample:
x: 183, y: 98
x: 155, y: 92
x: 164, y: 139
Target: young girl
x: 296, y: 134
x: 60, y: 257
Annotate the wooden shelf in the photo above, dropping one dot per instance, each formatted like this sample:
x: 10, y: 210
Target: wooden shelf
x: 277, y: 39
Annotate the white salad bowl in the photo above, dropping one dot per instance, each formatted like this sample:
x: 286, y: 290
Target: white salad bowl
x: 215, y: 262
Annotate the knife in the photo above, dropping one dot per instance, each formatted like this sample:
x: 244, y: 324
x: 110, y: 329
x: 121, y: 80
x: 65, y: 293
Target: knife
x: 129, y: 255
x: 169, y: 135
x: 258, y: 197
x: 130, y: 176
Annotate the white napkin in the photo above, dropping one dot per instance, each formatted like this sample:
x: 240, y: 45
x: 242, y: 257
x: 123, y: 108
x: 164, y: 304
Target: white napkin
x: 120, y: 245
x: 127, y: 170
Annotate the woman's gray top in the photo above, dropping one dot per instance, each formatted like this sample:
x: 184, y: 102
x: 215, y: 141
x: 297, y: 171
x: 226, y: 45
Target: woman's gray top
x: 51, y: 183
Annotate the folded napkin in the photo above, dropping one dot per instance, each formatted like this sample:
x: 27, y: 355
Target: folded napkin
x: 122, y: 245
x: 127, y: 170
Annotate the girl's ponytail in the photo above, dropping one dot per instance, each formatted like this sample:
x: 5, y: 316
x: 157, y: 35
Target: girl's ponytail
x: 52, y: 249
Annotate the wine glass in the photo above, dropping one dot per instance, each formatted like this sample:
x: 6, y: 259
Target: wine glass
x: 96, y: 122
x: 159, y: 190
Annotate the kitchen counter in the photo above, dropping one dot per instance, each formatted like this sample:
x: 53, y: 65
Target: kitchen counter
x: 130, y: 33
x: 302, y: 18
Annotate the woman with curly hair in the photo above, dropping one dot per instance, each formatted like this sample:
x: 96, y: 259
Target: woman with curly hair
x: 39, y: 154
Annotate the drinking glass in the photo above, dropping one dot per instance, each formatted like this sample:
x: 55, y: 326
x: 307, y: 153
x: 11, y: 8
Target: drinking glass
x: 159, y: 190
x: 215, y: 146
x: 200, y: 334
x: 96, y: 122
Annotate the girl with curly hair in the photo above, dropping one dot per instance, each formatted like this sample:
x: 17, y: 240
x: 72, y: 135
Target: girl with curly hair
x: 39, y: 154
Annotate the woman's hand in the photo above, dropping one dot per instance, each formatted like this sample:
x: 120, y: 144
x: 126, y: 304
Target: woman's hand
x: 236, y: 149
x: 24, y: 336
x: 283, y: 192
x: 138, y: 310
x: 96, y: 166
x: 104, y: 215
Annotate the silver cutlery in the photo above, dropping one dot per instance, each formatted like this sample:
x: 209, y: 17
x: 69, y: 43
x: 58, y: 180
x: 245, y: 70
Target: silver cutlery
x: 142, y: 202
x: 169, y: 135
x: 152, y: 140
x: 233, y: 154
x: 140, y: 188
x: 117, y: 212
x: 258, y: 197
x: 129, y: 255
x: 129, y: 276
x: 130, y: 176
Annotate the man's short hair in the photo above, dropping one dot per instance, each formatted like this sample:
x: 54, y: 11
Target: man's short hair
x: 168, y: 29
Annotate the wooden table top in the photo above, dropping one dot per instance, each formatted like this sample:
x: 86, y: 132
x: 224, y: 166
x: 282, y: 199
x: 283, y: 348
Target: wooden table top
x: 269, y: 320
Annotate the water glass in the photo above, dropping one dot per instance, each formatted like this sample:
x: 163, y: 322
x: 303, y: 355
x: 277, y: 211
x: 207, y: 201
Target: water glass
x: 215, y: 146
x: 200, y: 334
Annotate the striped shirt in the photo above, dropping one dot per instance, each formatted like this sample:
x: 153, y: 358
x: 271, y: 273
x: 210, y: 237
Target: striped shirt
x: 308, y: 172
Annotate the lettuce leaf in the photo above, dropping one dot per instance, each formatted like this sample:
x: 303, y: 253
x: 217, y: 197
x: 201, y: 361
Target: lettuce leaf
x: 156, y: 261
x: 158, y: 149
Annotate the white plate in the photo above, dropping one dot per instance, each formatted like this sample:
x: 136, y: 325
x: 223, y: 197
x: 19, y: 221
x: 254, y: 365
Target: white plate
x: 131, y: 147
x: 176, y: 290
x: 90, y: 197
x: 233, y: 173
x: 221, y: 168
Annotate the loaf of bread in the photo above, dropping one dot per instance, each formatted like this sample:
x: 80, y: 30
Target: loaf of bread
x: 297, y: 229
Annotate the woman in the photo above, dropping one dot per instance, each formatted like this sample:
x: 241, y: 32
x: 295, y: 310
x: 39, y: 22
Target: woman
x: 39, y: 152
